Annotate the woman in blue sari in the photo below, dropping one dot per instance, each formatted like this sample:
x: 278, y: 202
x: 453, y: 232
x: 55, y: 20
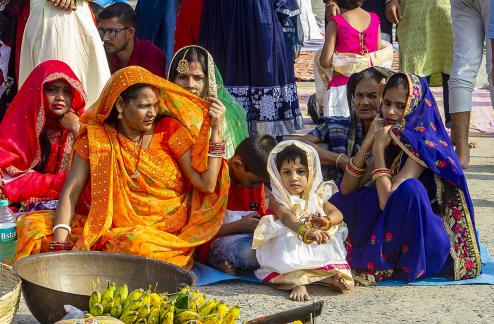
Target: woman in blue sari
x: 250, y: 45
x: 417, y: 220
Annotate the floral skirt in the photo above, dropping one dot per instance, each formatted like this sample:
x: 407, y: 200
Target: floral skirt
x: 406, y: 240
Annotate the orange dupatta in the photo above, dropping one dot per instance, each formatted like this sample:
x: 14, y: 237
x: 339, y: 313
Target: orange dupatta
x: 191, y: 220
x: 205, y: 211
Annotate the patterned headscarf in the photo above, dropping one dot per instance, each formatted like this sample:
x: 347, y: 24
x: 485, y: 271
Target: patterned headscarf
x: 421, y: 134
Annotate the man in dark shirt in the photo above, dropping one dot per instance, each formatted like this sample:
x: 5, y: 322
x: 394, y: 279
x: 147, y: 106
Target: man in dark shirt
x: 116, y: 25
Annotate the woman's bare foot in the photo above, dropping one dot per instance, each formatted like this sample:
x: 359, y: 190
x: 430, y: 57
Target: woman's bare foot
x: 299, y: 293
x: 337, y: 283
x: 226, y: 267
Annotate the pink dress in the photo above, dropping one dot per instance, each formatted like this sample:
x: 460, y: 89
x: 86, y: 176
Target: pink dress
x: 350, y: 40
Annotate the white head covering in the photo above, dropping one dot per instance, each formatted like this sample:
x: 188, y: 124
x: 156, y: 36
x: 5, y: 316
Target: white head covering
x: 317, y: 190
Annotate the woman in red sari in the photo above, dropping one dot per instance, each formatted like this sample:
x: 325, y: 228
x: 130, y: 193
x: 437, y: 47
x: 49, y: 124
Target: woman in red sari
x: 38, y: 132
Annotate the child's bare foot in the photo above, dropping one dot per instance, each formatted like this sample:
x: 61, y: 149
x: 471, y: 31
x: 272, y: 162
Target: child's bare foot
x: 227, y: 267
x: 299, y: 293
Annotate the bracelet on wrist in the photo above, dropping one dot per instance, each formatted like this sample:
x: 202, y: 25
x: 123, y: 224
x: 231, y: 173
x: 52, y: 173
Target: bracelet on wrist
x: 56, y: 246
x: 217, y: 150
x: 353, y: 170
x: 64, y: 226
x: 306, y: 240
x: 380, y: 173
x: 301, y: 231
x: 338, y: 158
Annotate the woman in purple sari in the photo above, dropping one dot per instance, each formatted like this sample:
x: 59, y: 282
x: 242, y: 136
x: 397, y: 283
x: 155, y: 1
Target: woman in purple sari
x: 416, y: 219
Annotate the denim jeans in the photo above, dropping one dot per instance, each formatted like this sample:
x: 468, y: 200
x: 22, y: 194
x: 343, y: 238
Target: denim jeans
x: 236, y: 249
x: 470, y: 23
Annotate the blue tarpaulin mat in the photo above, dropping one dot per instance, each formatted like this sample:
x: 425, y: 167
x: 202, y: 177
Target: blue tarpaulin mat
x: 206, y: 275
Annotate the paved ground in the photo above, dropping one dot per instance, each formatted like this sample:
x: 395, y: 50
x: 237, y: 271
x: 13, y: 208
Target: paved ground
x: 385, y: 304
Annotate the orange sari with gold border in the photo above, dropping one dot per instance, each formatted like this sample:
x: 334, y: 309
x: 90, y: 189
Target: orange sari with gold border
x: 153, y: 215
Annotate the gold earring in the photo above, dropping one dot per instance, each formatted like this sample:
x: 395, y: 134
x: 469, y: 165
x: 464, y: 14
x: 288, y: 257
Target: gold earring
x: 119, y: 113
x: 183, y: 64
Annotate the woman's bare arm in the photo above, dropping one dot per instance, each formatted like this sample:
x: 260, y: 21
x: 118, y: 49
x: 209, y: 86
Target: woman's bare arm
x: 328, y: 49
x: 71, y: 192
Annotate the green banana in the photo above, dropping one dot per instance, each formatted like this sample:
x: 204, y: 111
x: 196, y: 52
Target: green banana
x: 107, y: 304
x: 221, y: 308
x: 116, y: 311
x: 197, y: 298
x: 141, y: 321
x: 109, y: 291
x: 129, y: 317
x: 154, y: 316
x: 123, y: 290
x: 95, y: 298
x: 165, y: 308
x: 88, y: 315
x: 212, y: 319
x: 135, y: 294
x: 146, y: 297
x: 143, y: 311
x: 186, y: 316
x: 207, y: 307
x: 232, y: 315
x: 96, y: 310
x: 164, y: 296
x: 155, y: 299
x: 133, y: 305
x: 168, y: 317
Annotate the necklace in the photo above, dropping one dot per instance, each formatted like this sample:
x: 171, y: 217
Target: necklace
x: 136, y: 171
x: 136, y: 142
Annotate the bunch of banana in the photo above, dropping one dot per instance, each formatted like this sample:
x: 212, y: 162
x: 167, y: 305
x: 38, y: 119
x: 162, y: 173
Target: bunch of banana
x: 147, y: 307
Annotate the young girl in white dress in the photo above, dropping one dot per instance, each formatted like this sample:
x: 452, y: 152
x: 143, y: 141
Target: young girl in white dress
x: 303, y: 241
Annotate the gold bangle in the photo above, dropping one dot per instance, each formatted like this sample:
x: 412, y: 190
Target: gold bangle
x: 338, y: 160
x: 305, y: 239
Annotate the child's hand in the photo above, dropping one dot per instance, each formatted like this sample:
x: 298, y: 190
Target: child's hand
x: 318, y: 236
x: 249, y: 222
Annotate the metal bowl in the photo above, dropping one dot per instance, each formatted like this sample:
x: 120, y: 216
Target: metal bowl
x: 51, y: 280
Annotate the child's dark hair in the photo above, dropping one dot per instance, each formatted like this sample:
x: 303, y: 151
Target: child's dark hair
x: 254, y: 152
x: 350, y: 4
x: 290, y: 154
x: 396, y: 80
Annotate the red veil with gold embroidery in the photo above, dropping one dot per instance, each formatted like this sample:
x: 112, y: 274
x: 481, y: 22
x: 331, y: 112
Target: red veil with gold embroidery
x: 20, y: 130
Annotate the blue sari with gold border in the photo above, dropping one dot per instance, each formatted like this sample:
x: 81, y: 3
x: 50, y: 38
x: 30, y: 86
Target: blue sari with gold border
x: 427, y: 227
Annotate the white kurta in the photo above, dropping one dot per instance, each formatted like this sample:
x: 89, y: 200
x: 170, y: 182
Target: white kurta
x: 69, y: 36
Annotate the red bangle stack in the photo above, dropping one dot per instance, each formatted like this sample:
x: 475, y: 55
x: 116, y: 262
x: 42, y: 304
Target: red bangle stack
x: 217, y: 150
x: 380, y: 173
x: 57, y: 246
x: 353, y: 170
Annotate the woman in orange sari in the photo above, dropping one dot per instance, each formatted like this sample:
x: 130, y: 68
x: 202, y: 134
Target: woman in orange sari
x: 152, y: 155
x: 37, y: 134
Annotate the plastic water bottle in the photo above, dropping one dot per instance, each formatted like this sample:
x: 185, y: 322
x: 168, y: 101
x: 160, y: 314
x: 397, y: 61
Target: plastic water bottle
x: 8, y: 235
